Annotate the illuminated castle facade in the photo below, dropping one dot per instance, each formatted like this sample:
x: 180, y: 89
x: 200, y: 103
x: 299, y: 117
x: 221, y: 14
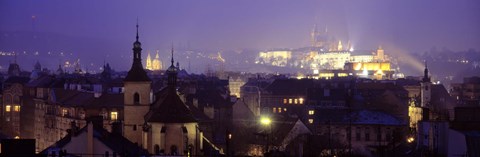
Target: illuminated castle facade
x: 328, y: 57
x: 153, y: 64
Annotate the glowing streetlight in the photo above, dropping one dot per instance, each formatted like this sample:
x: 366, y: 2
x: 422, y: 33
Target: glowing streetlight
x: 265, y: 120
x: 410, y: 139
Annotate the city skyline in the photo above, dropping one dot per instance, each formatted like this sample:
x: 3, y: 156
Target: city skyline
x: 240, y: 78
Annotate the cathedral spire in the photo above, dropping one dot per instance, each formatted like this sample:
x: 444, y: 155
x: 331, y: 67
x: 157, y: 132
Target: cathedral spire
x: 426, y: 78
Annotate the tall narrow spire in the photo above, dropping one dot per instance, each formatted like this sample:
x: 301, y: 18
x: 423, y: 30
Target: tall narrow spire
x: 137, y: 29
x: 137, y: 73
x: 172, y: 74
x: 172, y: 55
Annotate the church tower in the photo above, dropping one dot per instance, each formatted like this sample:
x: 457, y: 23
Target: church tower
x: 157, y: 65
x: 171, y: 128
x: 381, y: 55
x: 149, y: 62
x: 425, y: 90
x: 136, y: 97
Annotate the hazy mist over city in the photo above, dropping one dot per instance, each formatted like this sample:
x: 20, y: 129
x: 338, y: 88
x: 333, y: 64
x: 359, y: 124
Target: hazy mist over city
x: 325, y: 78
x: 102, y: 31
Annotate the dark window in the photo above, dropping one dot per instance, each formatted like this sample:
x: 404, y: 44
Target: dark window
x: 358, y: 136
x: 136, y: 98
x: 367, y: 136
x: 134, y: 127
x: 157, y: 149
x: 173, y: 150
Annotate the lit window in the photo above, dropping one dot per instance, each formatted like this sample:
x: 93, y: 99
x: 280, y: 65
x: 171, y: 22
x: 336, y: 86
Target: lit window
x: 8, y: 108
x: 290, y: 101
x: 64, y: 112
x: 310, y: 121
x: 301, y: 100
x: 284, y: 101
x: 274, y: 110
x: 16, y: 108
x: 114, y: 115
x: 311, y: 112
x: 279, y: 110
x: 285, y: 109
x: 296, y: 101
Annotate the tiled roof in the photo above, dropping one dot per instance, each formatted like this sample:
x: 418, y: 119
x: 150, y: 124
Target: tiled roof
x: 115, y: 142
x: 86, y: 99
x: 17, y: 79
x: 169, y: 108
x: 342, y: 116
x: 42, y: 82
x: 136, y: 73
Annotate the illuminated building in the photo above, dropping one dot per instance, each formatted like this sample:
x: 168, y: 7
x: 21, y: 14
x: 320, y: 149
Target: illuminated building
x: 149, y: 62
x: 342, y: 64
x: 331, y: 60
x: 234, y: 85
x: 157, y: 64
x: 274, y: 58
x: 153, y: 64
x: 12, y: 105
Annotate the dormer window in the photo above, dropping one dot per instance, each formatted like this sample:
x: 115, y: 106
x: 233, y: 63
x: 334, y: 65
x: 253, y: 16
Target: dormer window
x: 136, y: 98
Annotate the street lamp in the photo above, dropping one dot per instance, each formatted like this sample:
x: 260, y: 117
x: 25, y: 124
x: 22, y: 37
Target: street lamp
x: 267, y: 122
x: 410, y: 139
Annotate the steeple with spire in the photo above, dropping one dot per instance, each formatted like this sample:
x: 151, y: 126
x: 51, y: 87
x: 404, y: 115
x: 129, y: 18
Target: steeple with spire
x: 425, y: 91
x: 172, y: 74
x: 426, y: 78
x: 149, y: 62
x: 137, y: 73
x: 136, y: 96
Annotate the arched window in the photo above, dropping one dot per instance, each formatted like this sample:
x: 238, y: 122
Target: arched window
x: 136, y: 98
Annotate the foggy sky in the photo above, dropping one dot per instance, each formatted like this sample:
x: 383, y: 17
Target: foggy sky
x: 406, y: 25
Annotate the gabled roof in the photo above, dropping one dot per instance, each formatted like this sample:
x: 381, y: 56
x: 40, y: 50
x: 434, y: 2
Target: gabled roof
x: 86, y: 99
x: 42, y: 82
x: 169, y: 108
x: 115, y: 142
x: 359, y: 117
x: 17, y: 79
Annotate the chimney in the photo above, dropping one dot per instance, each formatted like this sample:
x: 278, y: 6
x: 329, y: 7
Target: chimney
x: 90, y: 137
x: 73, y: 128
x: 117, y: 128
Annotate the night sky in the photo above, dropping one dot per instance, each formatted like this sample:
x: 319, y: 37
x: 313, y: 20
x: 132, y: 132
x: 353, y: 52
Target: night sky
x: 402, y: 26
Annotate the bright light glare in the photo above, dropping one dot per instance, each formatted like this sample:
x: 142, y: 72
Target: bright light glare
x: 265, y: 120
x: 410, y: 139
